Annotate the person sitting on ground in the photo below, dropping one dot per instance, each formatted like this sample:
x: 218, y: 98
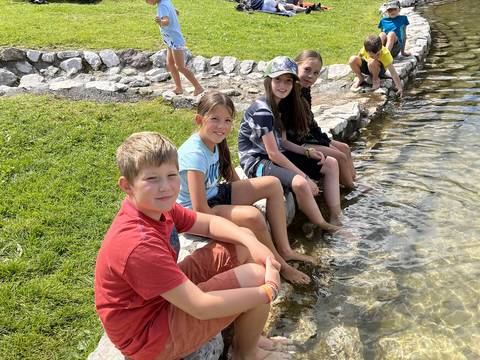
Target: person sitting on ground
x: 374, y: 59
x: 205, y: 160
x: 276, y: 6
x: 309, y: 64
x: 155, y: 308
x: 265, y: 151
x: 394, y: 29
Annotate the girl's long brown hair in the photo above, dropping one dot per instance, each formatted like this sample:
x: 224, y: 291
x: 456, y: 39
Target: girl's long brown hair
x: 290, y: 113
x: 206, y: 104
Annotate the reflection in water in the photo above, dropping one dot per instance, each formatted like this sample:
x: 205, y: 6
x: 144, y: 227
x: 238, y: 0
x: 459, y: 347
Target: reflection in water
x: 411, y: 283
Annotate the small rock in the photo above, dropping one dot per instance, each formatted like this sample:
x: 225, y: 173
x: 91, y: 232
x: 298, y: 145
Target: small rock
x: 183, y: 102
x: 159, y: 59
x: 160, y: 77
x: 115, y: 78
x: 65, y: 85
x: 49, y: 57
x: 246, y: 67
x: 229, y: 64
x: 7, y: 77
x: 33, y: 55
x: 199, y: 64
x: 155, y: 72
x: 261, y: 66
x: 215, y: 60
x: 169, y: 95
x: 129, y: 71
x: 106, y: 86
x: 92, y: 59
x: 49, y: 72
x: 72, y: 66
x: 24, y: 67
x: 109, y: 58
x: 32, y: 81
x: 140, y: 60
x: 68, y: 54
x: 11, y: 54
x: 139, y: 83
x: 253, y: 90
x: 114, y: 71
x: 231, y: 92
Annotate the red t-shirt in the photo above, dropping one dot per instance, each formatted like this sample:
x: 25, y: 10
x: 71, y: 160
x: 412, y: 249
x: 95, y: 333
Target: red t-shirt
x: 135, y: 265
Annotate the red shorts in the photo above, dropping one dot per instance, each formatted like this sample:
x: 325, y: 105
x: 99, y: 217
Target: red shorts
x: 210, y: 268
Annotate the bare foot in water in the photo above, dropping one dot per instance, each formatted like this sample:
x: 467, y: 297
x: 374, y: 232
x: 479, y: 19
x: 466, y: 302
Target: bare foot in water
x: 329, y: 227
x: 198, y: 91
x: 293, y: 275
x: 278, y: 343
x: 293, y: 255
x: 375, y: 84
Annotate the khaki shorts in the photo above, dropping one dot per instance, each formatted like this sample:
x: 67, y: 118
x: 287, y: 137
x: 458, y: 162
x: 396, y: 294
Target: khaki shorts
x: 210, y: 268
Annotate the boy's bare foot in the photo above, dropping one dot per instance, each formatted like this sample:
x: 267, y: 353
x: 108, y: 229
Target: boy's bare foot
x: 198, y: 91
x: 357, y: 83
x: 293, y: 255
x: 293, y: 275
x: 375, y: 84
x: 278, y: 343
x: 178, y: 91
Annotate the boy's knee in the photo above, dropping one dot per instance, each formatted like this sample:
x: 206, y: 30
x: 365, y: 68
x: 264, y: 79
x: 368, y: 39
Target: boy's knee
x: 354, y: 60
x: 249, y: 275
x: 392, y: 36
x: 331, y: 163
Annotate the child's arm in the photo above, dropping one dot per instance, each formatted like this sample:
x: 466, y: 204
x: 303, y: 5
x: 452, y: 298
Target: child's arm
x: 405, y: 53
x: 276, y: 156
x: 196, y: 188
x: 235, y: 176
x: 222, y: 303
x: 221, y: 229
x: 396, y: 79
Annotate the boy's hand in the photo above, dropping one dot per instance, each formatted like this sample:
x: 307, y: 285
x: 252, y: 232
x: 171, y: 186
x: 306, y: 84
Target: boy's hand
x: 260, y: 253
x: 318, y: 155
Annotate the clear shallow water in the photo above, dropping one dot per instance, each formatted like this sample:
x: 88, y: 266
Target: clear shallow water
x: 410, y: 283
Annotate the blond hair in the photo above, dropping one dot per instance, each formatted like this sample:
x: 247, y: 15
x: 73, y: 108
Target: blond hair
x: 144, y: 149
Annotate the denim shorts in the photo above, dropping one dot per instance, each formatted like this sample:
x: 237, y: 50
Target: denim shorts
x: 223, y: 197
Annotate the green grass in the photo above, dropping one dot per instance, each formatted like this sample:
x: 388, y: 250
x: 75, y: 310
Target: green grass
x: 211, y: 27
x: 59, y: 196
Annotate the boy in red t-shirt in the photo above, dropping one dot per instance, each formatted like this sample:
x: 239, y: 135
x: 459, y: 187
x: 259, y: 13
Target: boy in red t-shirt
x: 150, y: 306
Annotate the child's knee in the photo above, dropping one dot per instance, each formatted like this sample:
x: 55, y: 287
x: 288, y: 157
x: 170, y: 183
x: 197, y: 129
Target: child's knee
x: 255, y: 220
x: 249, y: 275
x: 300, y: 185
x: 354, y: 60
x: 392, y: 36
x: 331, y: 164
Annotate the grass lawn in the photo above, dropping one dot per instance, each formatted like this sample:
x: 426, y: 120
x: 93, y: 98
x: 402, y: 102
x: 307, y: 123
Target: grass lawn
x: 211, y: 27
x: 59, y: 195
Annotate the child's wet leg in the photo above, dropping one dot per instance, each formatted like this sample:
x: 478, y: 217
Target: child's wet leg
x: 355, y: 63
x: 331, y: 189
x: 307, y: 204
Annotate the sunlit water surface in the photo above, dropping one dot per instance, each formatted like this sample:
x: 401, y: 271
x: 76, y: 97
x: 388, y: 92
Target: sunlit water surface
x: 411, y: 282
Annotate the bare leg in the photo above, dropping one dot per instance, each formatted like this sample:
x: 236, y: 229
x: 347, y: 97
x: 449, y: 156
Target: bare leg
x: 344, y: 165
x: 331, y: 191
x: 180, y: 64
x: 249, y: 325
x: 344, y: 148
x: 250, y: 217
x: 374, y: 68
x: 174, y: 72
x: 391, y: 38
x: 383, y: 37
x: 355, y: 63
x: 306, y: 203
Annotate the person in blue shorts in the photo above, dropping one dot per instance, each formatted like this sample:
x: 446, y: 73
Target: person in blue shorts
x: 172, y: 36
x: 394, y: 29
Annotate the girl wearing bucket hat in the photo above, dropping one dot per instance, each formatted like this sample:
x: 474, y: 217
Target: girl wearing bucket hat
x: 265, y: 150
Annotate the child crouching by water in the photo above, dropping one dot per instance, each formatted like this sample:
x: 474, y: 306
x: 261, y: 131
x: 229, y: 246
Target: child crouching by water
x: 205, y: 159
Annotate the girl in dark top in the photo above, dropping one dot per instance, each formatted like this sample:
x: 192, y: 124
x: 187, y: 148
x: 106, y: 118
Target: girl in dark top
x: 309, y: 65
